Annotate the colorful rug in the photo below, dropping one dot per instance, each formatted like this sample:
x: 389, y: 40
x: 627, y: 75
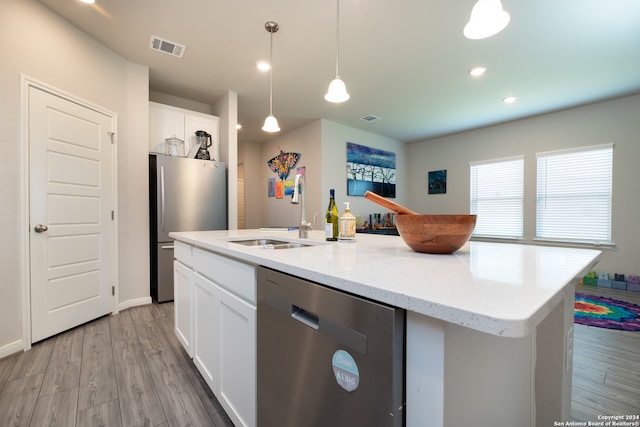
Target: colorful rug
x: 607, y: 313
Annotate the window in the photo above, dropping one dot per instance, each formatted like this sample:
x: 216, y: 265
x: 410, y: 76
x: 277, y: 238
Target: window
x: 497, y: 193
x: 574, y: 194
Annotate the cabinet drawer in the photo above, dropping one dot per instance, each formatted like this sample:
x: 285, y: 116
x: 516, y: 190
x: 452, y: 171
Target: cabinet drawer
x: 183, y: 253
x: 235, y: 276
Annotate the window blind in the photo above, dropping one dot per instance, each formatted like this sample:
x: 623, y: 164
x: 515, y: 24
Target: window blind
x: 497, y: 197
x: 574, y: 194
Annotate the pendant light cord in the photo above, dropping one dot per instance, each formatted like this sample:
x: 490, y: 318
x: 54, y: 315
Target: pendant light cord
x: 271, y: 78
x: 337, y: 36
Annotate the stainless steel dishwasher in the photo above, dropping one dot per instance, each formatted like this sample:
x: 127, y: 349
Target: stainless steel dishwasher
x: 325, y: 357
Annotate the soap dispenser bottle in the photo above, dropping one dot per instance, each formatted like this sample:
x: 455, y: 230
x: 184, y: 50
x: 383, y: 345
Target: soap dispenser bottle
x: 347, y: 224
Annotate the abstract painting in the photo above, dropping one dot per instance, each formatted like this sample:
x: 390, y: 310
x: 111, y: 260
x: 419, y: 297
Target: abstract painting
x: 370, y: 169
x: 438, y: 182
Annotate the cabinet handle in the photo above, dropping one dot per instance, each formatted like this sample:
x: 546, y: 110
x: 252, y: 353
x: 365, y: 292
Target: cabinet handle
x: 304, y: 316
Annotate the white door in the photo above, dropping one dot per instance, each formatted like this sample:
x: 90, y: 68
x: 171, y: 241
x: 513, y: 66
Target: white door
x: 72, y: 231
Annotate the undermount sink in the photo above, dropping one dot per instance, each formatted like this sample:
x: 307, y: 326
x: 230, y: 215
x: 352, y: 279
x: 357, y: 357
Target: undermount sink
x: 270, y: 243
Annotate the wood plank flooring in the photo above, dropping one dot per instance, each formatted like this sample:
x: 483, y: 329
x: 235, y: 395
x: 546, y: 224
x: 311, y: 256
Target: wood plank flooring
x: 606, y: 366
x: 123, y: 370
x: 130, y: 370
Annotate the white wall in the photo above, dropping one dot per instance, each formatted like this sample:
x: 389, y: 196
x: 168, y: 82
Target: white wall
x: 305, y: 140
x: 227, y: 109
x: 334, y: 166
x: 250, y: 155
x: 43, y: 46
x: 323, y: 148
x: 614, y: 121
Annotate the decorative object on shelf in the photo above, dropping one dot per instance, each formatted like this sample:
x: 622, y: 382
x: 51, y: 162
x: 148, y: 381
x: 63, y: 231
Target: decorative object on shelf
x: 337, y: 90
x: 174, y: 147
x: 370, y: 169
x: 271, y: 123
x: 283, y: 163
x: 438, y: 182
x: 487, y: 19
x: 204, y: 140
x: 606, y: 313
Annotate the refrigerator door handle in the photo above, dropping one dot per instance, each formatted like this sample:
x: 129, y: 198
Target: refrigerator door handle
x: 162, y: 198
x: 167, y: 247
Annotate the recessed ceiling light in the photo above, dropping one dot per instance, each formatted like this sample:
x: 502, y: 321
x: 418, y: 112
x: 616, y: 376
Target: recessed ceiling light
x: 263, y: 65
x: 477, y: 71
x: 88, y: 1
x: 238, y: 126
x: 509, y: 99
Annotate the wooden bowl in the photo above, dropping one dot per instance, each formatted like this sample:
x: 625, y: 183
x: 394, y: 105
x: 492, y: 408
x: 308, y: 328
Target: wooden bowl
x: 435, y: 234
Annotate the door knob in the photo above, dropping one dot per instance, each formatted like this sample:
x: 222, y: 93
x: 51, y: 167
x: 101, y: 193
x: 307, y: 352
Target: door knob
x: 40, y: 228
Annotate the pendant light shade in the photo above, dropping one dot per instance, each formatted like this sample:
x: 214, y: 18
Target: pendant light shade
x: 337, y: 90
x: 271, y: 123
x: 487, y: 18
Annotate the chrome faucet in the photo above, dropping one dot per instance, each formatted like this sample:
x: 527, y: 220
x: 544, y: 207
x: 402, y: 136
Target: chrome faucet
x: 299, y: 197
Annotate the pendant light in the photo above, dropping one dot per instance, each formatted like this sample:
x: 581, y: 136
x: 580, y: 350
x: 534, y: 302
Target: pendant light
x: 271, y: 123
x: 337, y: 90
x: 487, y: 18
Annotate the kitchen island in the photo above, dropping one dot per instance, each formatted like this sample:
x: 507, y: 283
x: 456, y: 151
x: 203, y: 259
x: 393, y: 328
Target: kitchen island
x: 489, y: 328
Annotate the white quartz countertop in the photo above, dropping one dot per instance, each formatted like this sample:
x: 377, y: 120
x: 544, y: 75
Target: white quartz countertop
x: 497, y: 288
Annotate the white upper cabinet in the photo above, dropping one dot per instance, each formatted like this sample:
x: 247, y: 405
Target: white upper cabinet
x: 166, y: 121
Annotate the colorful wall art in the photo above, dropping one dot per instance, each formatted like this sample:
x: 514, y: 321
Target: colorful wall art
x: 283, y: 163
x: 271, y: 187
x: 370, y: 169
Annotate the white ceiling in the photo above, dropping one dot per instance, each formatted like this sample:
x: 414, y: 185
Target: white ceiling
x: 405, y: 61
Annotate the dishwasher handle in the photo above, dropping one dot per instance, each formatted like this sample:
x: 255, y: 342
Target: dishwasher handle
x: 336, y: 331
x: 304, y: 316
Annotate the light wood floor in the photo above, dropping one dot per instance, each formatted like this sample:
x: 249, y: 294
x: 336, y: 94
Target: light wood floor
x: 123, y: 370
x: 130, y: 370
x: 606, y: 366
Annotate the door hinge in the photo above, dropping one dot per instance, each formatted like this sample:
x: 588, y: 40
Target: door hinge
x: 113, y: 137
x: 113, y: 290
x: 113, y: 215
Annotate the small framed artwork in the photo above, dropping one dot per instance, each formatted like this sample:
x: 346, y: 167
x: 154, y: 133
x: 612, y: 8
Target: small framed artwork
x: 438, y: 182
x: 288, y: 186
x: 272, y: 187
x: 279, y: 189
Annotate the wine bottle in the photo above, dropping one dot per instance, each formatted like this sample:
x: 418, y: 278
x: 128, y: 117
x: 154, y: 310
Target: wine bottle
x: 331, y: 218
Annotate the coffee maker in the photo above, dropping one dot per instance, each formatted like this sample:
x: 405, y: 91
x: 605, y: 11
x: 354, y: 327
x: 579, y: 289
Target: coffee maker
x: 204, y: 139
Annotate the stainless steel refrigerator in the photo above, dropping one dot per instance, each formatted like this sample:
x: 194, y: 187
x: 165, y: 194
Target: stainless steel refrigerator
x: 184, y: 195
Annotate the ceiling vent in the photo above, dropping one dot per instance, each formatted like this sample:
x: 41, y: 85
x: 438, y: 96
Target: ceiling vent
x: 371, y: 118
x: 171, y: 48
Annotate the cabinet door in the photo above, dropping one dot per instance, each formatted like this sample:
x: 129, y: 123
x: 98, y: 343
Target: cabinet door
x: 206, y: 327
x: 237, y: 380
x: 163, y: 123
x: 183, y: 311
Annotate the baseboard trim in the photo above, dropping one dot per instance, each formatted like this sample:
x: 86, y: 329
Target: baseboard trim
x: 11, y: 348
x: 134, y: 303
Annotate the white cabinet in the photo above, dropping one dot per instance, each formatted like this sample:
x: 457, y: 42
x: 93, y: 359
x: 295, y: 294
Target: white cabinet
x: 206, y: 330
x: 237, y: 377
x: 166, y: 121
x: 223, y: 316
x: 182, y: 296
